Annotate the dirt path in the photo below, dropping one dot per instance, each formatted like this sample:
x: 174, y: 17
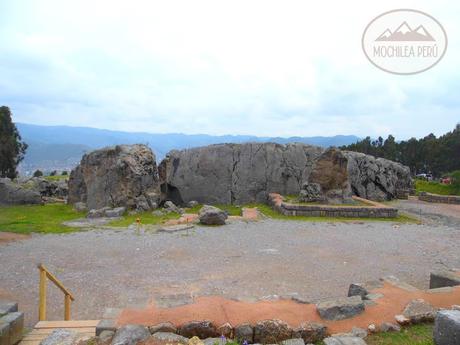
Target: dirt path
x: 246, y: 261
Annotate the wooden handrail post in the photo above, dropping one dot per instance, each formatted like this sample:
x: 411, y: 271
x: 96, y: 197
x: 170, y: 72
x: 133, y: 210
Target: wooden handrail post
x: 42, y: 296
x: 67, y: 301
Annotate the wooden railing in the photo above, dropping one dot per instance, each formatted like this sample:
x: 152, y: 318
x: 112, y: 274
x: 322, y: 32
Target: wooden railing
x: 68, y: 297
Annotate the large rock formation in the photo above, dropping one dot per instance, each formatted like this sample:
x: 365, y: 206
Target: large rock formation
x: 122, y: 175
x: 236, y: 173
x: 245, y: 173
x: 12, y: 193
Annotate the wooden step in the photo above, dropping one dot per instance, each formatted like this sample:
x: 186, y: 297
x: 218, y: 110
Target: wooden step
x: 67, y: 324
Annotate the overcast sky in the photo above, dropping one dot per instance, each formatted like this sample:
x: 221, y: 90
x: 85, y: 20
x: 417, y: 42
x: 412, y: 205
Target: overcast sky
x: 271, y: 68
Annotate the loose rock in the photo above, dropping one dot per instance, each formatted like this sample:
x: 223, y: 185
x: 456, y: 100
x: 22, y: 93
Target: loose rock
x: 311, y: 332
x: 170, y: 338
x: 166, y: 327
x: 244, y: 332
x: 201, y: 329
x: 447, y: 328
x: 130, y: 335
x: 210, y: 215
x: 419, y: 311
x: 272, y: 331
x: 341, y: 308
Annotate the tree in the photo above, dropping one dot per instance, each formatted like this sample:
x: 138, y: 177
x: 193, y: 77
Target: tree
x: 64, y: 173
x: 12, y: 148
x: 53, y: 173
x: 38, y: 173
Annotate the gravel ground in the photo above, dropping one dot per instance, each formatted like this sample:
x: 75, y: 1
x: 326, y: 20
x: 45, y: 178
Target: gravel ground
x: 248, y: 261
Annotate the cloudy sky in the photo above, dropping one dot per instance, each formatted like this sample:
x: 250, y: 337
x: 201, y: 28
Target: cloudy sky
x: 272, y: 68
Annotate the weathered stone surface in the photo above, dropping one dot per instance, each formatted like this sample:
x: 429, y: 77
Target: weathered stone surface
x: 166, y: 327
x: 80, y: 207
x: 215, y: 341
x: 245, y: 173
x: 114, y: 176
x: 169, y: 206
x: 359, y: 332
x: 7, y: 307
x: 16, y: 326
x: 201, y: 329
x: 389, y: 327
x: 169, y: 338
x: 441, y: 279
x: 272, y: 331
x: 310, y: 192
x: 447, y: 328
x: 106, y: 325
x: 419, y: 311
x: 376, y: 178
x: 236, y: 173
x: 210, y: 215
x: 195, y: 341
x: 295, y: 341
x: 115, y: 212
x: 62, y: 337
x: 364, y: 289
x: 402, y: 320
x: 311, y: 332
x: 345, y: 340
x: 130, y: 335
x: 12, y: 193
x: 105, y: 338
x: 5, y: 334
x: 226, y: 330
x: 53, y: 189
x: 341, y: 308
x: 244, y: 332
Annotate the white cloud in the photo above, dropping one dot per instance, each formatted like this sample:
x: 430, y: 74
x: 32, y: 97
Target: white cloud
x: 275, y: 68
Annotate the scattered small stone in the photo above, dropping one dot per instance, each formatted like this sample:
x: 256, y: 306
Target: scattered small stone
x: 170, y: 338
x: 130, y: 335
x: 311, y: 332
x: 389, y: 327
x: 166, y: 327
x: 372, y: 328
x: 341, y: 308
x: 244, y: 332
x: 419, y: 311
x: 447, y: 328
x: 201, y: 329
x: 402, y: 320
x: 210, y: 215
x: 226, y: 330
x: 344, y: 340
x: 272, y: 331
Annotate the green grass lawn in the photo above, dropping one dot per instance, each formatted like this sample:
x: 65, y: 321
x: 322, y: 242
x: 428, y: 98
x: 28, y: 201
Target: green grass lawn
x: 47, y: 218
x: 414, y: 335
x: 56, y: 177
x: 144, y: 217
x: 436, y: 188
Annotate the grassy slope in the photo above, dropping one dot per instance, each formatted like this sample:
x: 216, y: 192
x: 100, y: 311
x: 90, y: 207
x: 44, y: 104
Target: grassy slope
x: 414, y: 335
x: 436, y: 188
x: 37, y: 218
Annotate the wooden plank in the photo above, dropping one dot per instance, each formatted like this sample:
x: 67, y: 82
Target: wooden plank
x: 50, y: 330
x: 67, y: 324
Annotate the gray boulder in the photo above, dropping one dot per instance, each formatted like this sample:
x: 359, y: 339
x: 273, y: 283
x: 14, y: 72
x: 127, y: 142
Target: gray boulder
x: 389, y: 327
x: 226, y: 330
x: 364, y: 289
x: 295, y: 341
x: 201, y: 329
x: 115, y: 176
x: 311, y: 332
x: 12, y: 193
x: 236, y: 173
x: 130, y: 335
x: 244, y: 332
x: 447, y: 328
x: 210, y: 215
x: 419, y: 310
x: 344, y: 340
x: 310, y: 192
x: 340, y: 308
x: 441, y: 279
x: 272, y: 331
x: 15, y: 327
x: 62, y: 337
x: 169, y: 338
x: 115, y: 212
x: 7, y: 307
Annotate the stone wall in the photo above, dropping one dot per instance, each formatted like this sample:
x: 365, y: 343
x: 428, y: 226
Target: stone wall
x: 374, y: 210
x: 444, y: 199
x: 11, y: 323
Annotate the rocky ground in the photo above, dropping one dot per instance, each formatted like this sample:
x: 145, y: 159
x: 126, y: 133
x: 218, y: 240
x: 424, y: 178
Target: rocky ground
x: 242, y: 260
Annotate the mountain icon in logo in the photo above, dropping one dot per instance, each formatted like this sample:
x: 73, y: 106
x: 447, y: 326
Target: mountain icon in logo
x: 405, y: 33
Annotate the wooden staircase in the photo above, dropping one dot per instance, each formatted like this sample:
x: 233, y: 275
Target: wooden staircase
x: 44, y: 328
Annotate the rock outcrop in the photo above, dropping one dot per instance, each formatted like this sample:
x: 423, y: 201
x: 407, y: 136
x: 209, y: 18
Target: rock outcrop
x: 12, y: 193
x: 236, y: 173
x: 122, y: 175
x: 245, y: 173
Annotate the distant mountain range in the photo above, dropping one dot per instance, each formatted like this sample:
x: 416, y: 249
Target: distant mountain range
x: 61, y: 147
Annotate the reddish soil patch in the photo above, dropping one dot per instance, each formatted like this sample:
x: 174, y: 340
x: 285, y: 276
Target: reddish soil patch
x: 221, y: 310
x: 6, y: 237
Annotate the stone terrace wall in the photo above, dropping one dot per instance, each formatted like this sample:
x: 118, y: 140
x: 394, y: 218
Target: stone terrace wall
x: 374, y: 210
x: 445, y: 199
